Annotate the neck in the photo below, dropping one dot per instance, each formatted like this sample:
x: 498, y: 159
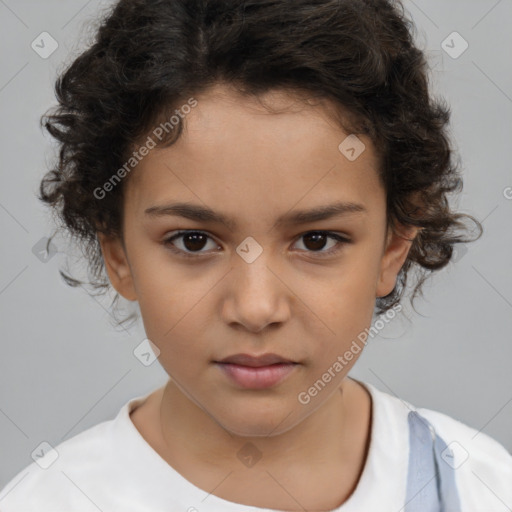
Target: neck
x: 325, y: 435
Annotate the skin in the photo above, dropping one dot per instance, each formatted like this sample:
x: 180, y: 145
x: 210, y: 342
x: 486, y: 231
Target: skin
x: 252, y: 165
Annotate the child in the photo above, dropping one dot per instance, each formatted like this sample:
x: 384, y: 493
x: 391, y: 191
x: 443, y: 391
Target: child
x: 296, y: 144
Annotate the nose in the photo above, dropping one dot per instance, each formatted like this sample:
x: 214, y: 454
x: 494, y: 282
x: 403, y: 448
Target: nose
x: 257, y: 296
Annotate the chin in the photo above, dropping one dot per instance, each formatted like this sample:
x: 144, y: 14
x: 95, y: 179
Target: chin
x: 251, y: 421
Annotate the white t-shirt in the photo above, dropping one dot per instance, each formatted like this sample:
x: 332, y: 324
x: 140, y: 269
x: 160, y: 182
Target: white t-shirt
x: 111, y: 468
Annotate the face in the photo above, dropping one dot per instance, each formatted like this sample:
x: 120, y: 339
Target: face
x: 303, y: 288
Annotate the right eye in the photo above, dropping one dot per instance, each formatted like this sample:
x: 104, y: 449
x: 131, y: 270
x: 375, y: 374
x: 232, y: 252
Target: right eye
x: 191, y: 241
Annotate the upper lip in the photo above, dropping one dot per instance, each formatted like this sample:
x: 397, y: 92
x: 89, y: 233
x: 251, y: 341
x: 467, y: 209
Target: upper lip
x: 255, y: 361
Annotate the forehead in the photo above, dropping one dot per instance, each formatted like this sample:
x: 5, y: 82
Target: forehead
x: 246, y: 152
x: 282, y: 113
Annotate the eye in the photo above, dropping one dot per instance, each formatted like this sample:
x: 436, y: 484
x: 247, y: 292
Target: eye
x: 192, y: 242
x: 315, y: 241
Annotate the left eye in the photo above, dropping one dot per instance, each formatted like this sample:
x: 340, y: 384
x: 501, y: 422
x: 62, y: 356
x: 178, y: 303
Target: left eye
x: 193, y: 241
x: 317, y: 240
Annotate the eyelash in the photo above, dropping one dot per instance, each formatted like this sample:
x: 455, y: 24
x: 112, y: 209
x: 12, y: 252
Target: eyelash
x: 341, y: 239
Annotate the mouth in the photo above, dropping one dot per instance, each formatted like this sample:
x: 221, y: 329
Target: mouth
x: 255, y: 361
x: 256, y: 372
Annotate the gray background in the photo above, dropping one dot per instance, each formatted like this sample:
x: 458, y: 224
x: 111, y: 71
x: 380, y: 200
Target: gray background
x: 64, y: 368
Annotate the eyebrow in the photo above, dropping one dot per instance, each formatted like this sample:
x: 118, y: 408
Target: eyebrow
x: 294, y: 217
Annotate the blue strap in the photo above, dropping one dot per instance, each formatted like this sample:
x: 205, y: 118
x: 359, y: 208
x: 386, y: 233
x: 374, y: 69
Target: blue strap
x: 431, y: 485
x: 450, y: 501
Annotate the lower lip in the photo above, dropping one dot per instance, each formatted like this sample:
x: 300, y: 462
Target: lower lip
x: 260, y: 377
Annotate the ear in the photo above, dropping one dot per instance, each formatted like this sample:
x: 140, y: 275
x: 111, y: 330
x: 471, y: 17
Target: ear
x: 117, y: 266
x: 395, y: 253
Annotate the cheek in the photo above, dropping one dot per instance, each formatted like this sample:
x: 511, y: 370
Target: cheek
x: 345, y: 306
x: 167, y: 291
x: 349, y: 289
x: 177, y: 318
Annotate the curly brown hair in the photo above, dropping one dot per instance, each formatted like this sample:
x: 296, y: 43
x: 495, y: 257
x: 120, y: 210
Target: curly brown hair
x: 149, y: 55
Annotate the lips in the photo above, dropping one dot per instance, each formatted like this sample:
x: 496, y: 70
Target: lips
x: 255, y: 361
x: 256, y: 372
